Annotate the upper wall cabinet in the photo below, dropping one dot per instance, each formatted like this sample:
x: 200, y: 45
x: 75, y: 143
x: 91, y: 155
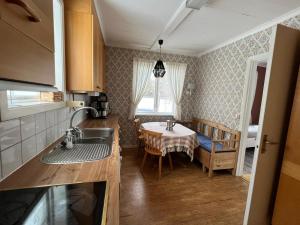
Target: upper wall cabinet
x: 27, y: 41
x: 84, y: 47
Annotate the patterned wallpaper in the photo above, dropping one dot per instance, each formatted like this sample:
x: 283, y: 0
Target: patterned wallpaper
x: 119, y: 63
x: 221, y: 77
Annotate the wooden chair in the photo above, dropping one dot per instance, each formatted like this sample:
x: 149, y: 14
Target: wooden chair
x: 153, y: 147
x: 139, y: 136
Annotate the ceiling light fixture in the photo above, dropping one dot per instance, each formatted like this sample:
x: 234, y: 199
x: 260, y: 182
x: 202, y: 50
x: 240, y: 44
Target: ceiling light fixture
x: 195, y: 4
x: 159, y: 68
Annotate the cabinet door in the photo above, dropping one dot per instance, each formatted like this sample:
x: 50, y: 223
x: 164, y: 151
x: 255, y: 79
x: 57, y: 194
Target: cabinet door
x: 34, y: 18
x: 80, y: 6
x: 102, y: 67
x: 96, y: 54
x: 23, y: 59
x: 79, y: 50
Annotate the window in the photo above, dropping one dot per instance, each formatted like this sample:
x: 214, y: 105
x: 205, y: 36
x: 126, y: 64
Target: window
x: 26, y: 98
x: 157, y: 99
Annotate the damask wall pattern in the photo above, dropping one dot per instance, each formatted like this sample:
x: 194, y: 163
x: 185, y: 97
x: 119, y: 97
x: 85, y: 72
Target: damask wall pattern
x: 221, y: 77
x: 119, y: 63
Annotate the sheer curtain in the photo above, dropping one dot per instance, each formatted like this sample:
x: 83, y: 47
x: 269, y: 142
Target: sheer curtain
x: 176, y: 76
x: 142, y: 70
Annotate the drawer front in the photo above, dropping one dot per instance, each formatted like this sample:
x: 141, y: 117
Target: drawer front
x: 23, y: 59
x: 21, y: 13
x: 223, y: 164
x: 224, y: 161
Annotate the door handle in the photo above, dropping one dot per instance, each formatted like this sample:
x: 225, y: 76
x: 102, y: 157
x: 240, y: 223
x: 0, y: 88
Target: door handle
x: 267, y: 142
x: 32, y: 15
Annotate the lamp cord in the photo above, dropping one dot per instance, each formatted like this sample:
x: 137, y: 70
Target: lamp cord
x: 160, y: 51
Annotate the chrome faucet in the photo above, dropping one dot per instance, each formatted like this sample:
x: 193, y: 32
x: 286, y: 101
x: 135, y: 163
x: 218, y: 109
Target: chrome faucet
x: 76, y: 131
x: 77, y: 110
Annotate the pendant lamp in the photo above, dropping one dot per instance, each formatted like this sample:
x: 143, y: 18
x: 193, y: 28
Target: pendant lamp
x: 159, y: 68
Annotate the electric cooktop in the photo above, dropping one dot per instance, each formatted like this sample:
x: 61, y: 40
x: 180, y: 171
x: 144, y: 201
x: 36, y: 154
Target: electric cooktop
x: 71, y: 204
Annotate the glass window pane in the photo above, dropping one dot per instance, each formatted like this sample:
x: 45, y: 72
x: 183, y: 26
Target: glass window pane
x: 26, y: 98
x: 146, y: 105
x: 165, y: 103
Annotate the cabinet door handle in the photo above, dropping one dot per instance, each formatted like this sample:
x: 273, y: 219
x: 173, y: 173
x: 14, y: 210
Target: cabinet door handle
x: 32, y: 16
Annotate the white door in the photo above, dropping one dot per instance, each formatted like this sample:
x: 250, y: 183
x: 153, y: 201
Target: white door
x: 280, y: 80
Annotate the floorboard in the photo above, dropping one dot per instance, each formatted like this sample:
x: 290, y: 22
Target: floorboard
x: 184, y: 196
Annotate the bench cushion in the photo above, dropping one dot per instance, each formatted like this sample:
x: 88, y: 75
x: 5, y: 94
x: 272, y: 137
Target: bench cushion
x: 205, y: 143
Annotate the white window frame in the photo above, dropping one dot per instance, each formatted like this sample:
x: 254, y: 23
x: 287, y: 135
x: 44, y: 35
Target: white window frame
x: 156, y: 102
x: 12, y: 113
x: 7, y: 113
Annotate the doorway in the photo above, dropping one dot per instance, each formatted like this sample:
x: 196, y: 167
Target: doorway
x: 253, y: 125
x: 251, y: 105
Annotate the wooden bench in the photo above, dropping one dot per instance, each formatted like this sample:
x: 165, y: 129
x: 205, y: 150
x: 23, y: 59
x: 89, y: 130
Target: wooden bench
x: 219, y: 146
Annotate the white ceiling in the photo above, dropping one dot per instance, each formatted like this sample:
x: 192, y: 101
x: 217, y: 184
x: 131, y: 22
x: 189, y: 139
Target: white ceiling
x: 140, y: 23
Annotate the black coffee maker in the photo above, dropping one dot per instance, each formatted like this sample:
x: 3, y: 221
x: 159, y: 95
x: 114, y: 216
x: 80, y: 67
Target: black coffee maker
x: 101, y: 104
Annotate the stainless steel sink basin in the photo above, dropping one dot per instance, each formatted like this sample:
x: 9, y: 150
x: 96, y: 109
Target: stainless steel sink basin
x: 97, y: 132
x: 96, y: 135
x: 96, y: 144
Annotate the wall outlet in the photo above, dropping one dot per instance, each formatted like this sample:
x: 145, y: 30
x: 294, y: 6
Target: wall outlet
x: 75, y: 104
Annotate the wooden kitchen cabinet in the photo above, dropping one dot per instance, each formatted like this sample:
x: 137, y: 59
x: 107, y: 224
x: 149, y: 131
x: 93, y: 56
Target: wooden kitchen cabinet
x: 33, y: 18
x: 27, y: 45
x: 80, y: 6
x: 84, y: 47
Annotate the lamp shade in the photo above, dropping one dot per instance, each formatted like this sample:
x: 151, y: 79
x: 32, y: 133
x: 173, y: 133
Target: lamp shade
x: 159, y: 69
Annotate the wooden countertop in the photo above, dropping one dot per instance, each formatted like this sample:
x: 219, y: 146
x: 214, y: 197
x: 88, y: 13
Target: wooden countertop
x: 34, y: 173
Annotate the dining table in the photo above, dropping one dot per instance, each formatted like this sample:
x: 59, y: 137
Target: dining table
x: 180, y: 139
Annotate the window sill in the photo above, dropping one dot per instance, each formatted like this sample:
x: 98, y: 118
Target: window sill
x: 16, y: 112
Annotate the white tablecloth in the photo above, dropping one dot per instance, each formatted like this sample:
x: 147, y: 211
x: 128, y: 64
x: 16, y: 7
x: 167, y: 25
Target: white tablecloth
x: 181, y: 139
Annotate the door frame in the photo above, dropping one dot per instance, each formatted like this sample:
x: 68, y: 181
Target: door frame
x: 246, y: 105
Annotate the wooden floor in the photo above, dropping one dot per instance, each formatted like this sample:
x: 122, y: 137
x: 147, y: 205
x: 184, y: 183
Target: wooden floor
x: 186, y: 196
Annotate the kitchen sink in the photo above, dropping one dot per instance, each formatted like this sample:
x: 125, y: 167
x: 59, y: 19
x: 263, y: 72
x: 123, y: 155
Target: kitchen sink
x: 95, y: 144
x: 97, y: 132
x: 96, y: 135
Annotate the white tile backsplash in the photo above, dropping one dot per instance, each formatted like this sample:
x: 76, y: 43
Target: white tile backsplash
x: 10, y: 133
x: 22, y: 139
x: 28, y: 149
x: 61, y: 129
x: 9, y: 125
x: 27, y: 127
x: 40, y: 122
x: 11, y: 159
x: 50, y: 118
x: 61, y: 115
x: 41, y: 141
x: 51, y: 134
x: 66, y: 124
